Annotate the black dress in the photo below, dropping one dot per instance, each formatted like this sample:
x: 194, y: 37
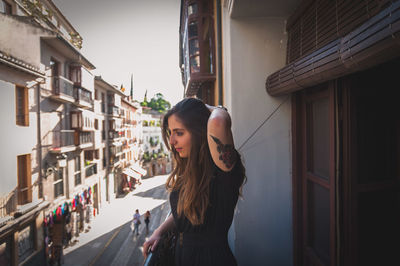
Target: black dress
x: 207, y: 244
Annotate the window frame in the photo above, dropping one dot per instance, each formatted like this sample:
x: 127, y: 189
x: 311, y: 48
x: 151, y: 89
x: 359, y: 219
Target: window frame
x: 21, y: 106
x: 24, y: 179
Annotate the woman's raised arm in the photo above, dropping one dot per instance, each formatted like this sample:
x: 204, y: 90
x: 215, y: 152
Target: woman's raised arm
x: 220, y: 140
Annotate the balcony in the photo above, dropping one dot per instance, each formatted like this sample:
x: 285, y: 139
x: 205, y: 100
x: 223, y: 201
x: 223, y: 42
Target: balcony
x: 62, y: 89
x: 8, y: 204
x: 113, y: 135
x: 63, y: 141
x: 115, y: 151
x: 84, y: 139
x: 114, y: 161
x: 113, y: 110
x: 91, y: 170
x: 83, y: 98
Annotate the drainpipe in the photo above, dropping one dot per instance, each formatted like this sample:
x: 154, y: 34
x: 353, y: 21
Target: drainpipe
x: 219, y: 52
x: 39, y: 141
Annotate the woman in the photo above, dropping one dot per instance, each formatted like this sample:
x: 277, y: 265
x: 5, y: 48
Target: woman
x: 204, y: 185
x: 147, y: 221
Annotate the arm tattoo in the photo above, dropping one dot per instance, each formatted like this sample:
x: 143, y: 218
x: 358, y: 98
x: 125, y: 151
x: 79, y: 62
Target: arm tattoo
x: 227, y: 152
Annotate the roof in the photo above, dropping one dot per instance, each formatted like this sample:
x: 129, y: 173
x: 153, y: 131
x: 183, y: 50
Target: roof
x: 20, y: 64
x: 108, y: 85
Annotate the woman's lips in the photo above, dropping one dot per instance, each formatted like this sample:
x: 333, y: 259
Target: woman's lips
x: 178, y: 149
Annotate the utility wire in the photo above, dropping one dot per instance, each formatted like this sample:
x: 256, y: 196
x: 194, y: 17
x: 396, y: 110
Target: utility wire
x: 270, y: 115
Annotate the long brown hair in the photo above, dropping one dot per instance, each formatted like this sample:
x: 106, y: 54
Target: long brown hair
x: 192, y: 175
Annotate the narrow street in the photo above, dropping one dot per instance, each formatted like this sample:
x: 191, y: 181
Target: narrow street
x: 110, y: 240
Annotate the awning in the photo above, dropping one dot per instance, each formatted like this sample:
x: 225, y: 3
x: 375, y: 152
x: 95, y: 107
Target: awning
x: 374, y: 42
x: 131, y: 173
x: 138, y: 169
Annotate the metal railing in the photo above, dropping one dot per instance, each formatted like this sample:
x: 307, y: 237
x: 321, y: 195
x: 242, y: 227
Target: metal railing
x: 91, y: 170
x: 85, y: 137
x: 113, y: 110
x: 83, y: 95
x: 61, y: 85
x: 113, y: 134
x: 8, y: 204
x: 63, y: 138
x: 150, y: 259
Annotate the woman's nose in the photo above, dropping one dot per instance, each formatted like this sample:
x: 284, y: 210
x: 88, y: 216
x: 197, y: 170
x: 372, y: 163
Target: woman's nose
x: 172, y: 140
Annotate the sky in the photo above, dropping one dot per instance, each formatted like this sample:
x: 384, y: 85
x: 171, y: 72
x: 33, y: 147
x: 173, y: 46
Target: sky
x: 124, y: 37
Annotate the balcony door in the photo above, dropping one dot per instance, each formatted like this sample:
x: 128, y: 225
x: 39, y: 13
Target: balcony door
x: 314, y: 177
x: 372, y: 167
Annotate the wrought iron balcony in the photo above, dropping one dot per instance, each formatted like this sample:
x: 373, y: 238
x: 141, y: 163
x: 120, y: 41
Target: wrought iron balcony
x: 113, y: 110
x: 63, y: 141
x: 113, y: 134
x: 84, y: 139
x: 91, y: 170
x: 83, y: 97
x: 62, y: 89
x: 8, y: 204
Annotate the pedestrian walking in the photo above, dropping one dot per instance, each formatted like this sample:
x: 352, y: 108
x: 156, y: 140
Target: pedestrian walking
x: 136, y: 222
x: 204, y: 185
x: 147, y: 221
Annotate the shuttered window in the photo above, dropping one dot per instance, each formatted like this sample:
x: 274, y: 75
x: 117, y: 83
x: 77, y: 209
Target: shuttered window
x: 318, y: 22
x: 21, y: 106
x: 24, y: 179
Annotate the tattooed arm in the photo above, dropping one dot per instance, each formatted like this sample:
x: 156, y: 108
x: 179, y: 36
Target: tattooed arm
x: 220, y: 139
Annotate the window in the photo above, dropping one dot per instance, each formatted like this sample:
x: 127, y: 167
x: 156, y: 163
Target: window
x: 5, y: 7
x: 96, y: 95
x: 59, y: 183
x: 5, y: 251
x: 96, y: 124
x: 24, y: 179
x: 21, y: 104
x: 77, y: 174
x: 193, y: 47
x: 26, y: 239
x: 192, y: 9
x: 75, y: 74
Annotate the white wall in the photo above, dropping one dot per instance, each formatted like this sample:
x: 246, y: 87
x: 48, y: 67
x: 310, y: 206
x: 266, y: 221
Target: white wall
x: 15, y: 140
x: 20, y: 39
x: 88, y: 80
x: 262, y: 229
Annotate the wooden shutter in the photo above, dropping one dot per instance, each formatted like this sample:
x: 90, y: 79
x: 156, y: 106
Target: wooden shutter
x: 24, y: 179
x: 21, y: 106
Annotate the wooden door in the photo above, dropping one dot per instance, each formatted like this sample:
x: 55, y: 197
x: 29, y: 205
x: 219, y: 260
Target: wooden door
x: 317, y: 176
x: 372, y: 167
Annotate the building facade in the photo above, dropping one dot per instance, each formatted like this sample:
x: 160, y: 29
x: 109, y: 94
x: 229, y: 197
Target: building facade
x: 63, y: 133
x: 321, y: 147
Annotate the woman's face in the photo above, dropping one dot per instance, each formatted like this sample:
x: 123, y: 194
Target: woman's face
x: 180, y: 137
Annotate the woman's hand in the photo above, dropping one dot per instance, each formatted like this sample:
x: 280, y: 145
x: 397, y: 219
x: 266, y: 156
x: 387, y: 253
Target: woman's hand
x: 152, y: 243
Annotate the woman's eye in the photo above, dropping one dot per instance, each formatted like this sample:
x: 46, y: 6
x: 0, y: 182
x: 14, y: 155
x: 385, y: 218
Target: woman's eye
x: 179, y: 133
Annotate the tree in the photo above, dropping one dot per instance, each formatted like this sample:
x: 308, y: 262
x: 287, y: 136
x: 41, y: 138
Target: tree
x: 157, y: 103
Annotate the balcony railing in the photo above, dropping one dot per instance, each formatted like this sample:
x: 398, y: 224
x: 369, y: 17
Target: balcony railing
x: 62, y: 86
x: 113, y: 134
x: 113, y: 110
x: 83, y: 138
x: 83, y: 97
x: 8, y: 204
x: 91, y: 170
x: 115, y: 150
x: 63, y: 138
x: 114, y: 160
